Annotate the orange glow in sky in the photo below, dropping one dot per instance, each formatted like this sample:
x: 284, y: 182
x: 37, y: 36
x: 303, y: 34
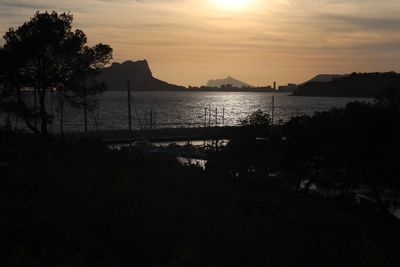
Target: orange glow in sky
x: 188, y: 42
x: 232, y: 4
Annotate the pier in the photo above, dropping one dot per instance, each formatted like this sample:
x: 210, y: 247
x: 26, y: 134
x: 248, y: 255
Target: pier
x: 158, y: 135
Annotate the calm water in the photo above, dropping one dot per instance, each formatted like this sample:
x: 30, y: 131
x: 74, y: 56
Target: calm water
x: 187, y: 109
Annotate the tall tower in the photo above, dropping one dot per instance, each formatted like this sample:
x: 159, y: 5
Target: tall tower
x: 274, y: 85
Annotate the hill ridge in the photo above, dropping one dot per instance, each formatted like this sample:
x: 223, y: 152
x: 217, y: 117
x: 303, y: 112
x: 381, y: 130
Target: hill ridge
x: 138, y: 72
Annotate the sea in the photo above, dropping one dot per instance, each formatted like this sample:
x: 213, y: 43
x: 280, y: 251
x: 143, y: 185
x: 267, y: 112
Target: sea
x: 186, y: 109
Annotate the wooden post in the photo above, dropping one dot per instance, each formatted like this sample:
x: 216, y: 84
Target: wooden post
x: 205, y: 117
x: 151, y: 122
x: 61, y: 115
x: 216, y: 116
x: 16, y: 122
x: 8, y: 120
x: 154, y: 120
x: 98, y: 120
x: 145, y: 122
x: 223, y: 116
x: 128, y: 87
x: 34, y: 107
x: 85, y: 110
x: 272, y: 109
x: 209, y: 116
x: 51, y: 111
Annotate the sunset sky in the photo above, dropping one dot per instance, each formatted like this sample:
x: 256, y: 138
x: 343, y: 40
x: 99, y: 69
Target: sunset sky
x: 188, y: 42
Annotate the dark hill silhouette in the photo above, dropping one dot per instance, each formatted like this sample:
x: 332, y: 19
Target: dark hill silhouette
x: 325, y: 77
x: 227, y: 81
x: 138, y: 73
x: 352, y: 85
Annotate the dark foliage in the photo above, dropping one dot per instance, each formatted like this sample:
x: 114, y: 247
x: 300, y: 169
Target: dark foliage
x: 257, y: 118
x: 347, y: 153
x: 80, y: 204
x: 45, y: 56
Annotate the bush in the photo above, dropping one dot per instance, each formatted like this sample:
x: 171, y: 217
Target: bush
x: 257, y: 118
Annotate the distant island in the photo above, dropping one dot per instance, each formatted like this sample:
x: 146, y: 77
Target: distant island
x: 142, y: 79
x: 227, y: 81
x: 350, y: 85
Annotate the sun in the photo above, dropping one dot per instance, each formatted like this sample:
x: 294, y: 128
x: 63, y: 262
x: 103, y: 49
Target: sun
x: 232, y: 4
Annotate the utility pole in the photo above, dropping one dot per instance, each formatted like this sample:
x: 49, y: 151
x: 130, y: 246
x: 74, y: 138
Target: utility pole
x: 128, y: 87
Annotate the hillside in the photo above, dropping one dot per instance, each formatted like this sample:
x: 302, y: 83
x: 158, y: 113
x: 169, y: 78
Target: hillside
x: 352, y: 85
x: 325, y: 77
x: 138, y: 73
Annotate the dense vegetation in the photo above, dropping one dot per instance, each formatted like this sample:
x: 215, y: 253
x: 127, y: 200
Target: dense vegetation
x: 81, y: 204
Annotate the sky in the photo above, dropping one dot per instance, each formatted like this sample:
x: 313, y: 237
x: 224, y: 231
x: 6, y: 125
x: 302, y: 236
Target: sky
x: 188, y: 42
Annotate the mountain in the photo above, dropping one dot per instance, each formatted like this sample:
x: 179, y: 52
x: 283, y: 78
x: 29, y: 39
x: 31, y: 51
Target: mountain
x: 351, y: 85
x: 227, y: 81
x: 139, y: 73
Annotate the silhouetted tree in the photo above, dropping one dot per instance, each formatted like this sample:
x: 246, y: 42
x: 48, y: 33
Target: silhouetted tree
x: 257, y: 118
x: 389, y: 97
x: 43, y: 56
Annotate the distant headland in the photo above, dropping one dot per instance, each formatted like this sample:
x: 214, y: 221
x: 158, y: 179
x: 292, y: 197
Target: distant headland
x: 330, y: 85
x: 142, y: 79
x: 350, y: 85
x: 138, y: 73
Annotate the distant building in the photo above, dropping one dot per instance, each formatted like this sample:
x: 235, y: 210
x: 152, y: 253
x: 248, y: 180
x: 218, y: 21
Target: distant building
x: 265, y: 88
x: 291, y: 87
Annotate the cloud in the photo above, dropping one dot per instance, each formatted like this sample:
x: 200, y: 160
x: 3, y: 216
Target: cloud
x: 196, y: 38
